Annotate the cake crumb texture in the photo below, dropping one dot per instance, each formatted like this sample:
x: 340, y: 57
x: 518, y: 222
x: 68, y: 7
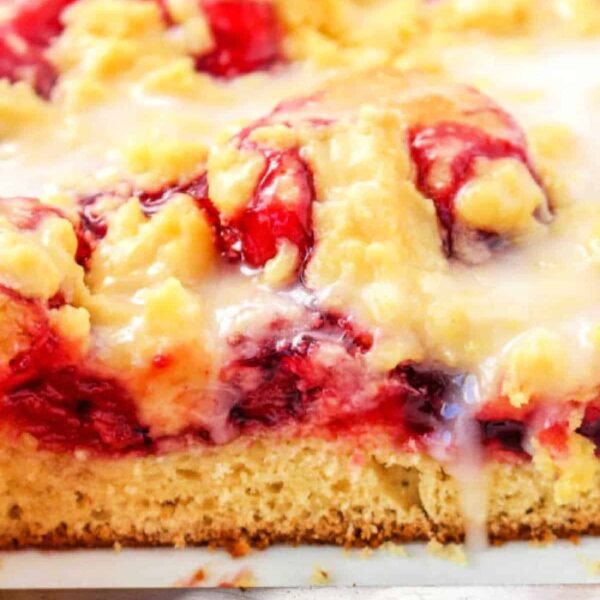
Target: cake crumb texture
x: 260, y: 492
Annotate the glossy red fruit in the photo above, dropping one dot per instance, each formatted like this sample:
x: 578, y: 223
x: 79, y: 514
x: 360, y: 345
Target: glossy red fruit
x: 278, y: 378
x: 246, y: 37
x: 66, y: 409
x: 23, y: 40
x: 505, y: 434
x: 555, y: 437
x: 445, y: 155
x: 408, y: 404
x: 266, y: 382
x: 22, y: 61
x: 26, y: 213
x: 288, y: 378
x: 62, y: 405
x: 590, y: 427
x: 421, y: 394
x: 275, y: 399
x: 38, y: 21
x: 280, y: 209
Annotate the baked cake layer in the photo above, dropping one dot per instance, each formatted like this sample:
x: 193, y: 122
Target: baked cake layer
x: 267, y: 491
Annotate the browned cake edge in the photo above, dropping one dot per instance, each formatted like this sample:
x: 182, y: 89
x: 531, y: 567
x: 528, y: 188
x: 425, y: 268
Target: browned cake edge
x: 269, y: 491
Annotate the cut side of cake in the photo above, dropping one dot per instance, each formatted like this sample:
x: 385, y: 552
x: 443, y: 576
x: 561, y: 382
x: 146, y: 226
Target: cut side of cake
x: 266, y: 274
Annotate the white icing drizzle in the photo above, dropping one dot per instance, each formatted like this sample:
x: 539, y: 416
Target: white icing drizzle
x: 467, y: 469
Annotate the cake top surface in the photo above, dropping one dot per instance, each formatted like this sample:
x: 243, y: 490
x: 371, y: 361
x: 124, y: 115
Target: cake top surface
x: 377, y: 172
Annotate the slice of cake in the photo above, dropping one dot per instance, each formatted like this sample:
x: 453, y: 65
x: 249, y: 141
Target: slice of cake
x: 267, y: 274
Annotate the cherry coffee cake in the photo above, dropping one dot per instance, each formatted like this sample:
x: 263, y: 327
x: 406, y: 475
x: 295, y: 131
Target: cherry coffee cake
x: 298, y: 270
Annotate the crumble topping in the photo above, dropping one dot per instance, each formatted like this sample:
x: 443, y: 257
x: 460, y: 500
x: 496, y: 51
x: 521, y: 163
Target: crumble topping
x: 37, y: 248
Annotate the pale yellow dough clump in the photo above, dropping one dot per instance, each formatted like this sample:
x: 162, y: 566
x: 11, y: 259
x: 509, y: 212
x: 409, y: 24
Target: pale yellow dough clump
x: 176, y: 242
x: 142, y: 281
x: 395, y: 31
x: 574, y: 474
x: 19, y: 107
x: 502, y: 198
x: 39, y: 262
x: 105, y: 39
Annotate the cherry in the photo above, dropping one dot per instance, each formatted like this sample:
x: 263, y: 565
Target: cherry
x: 63, y: 406
x: 26, y: 213
x: 21, y: 61
x: 278, y: 378
x: 269, y: 381
x: 555, y: 436
x: 280, y: 209
x: 23, y: 40
x: 246, y: 37
x: 421, y: 395
x: 38, y: 21
x: 69, y: 408
x: 445, y: 154
x: 275, y: 399
x: 505, y: 434
x: 590, y: 427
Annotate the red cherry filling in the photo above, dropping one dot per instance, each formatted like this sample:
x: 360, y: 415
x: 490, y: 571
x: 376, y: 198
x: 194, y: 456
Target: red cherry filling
x: 409, y: 402
x: 503, y: 426
x: 91, y: 228
x: 23, y: 40
x: 318, y: 377
x: 68, y: 408
x: 38, y: 21
x: 445, y: 155
x: 246, y: 37
x: 315, y: 377
x: 26, y: 213
x: 63, y: 406
x: 269, y: 388
x: 555, y: 437
x: 590, y: 427
x: 504, y: 434
x: 423, y: 394
x: 21, y: 61
x: 280, y: 209
x: 278, y: 379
